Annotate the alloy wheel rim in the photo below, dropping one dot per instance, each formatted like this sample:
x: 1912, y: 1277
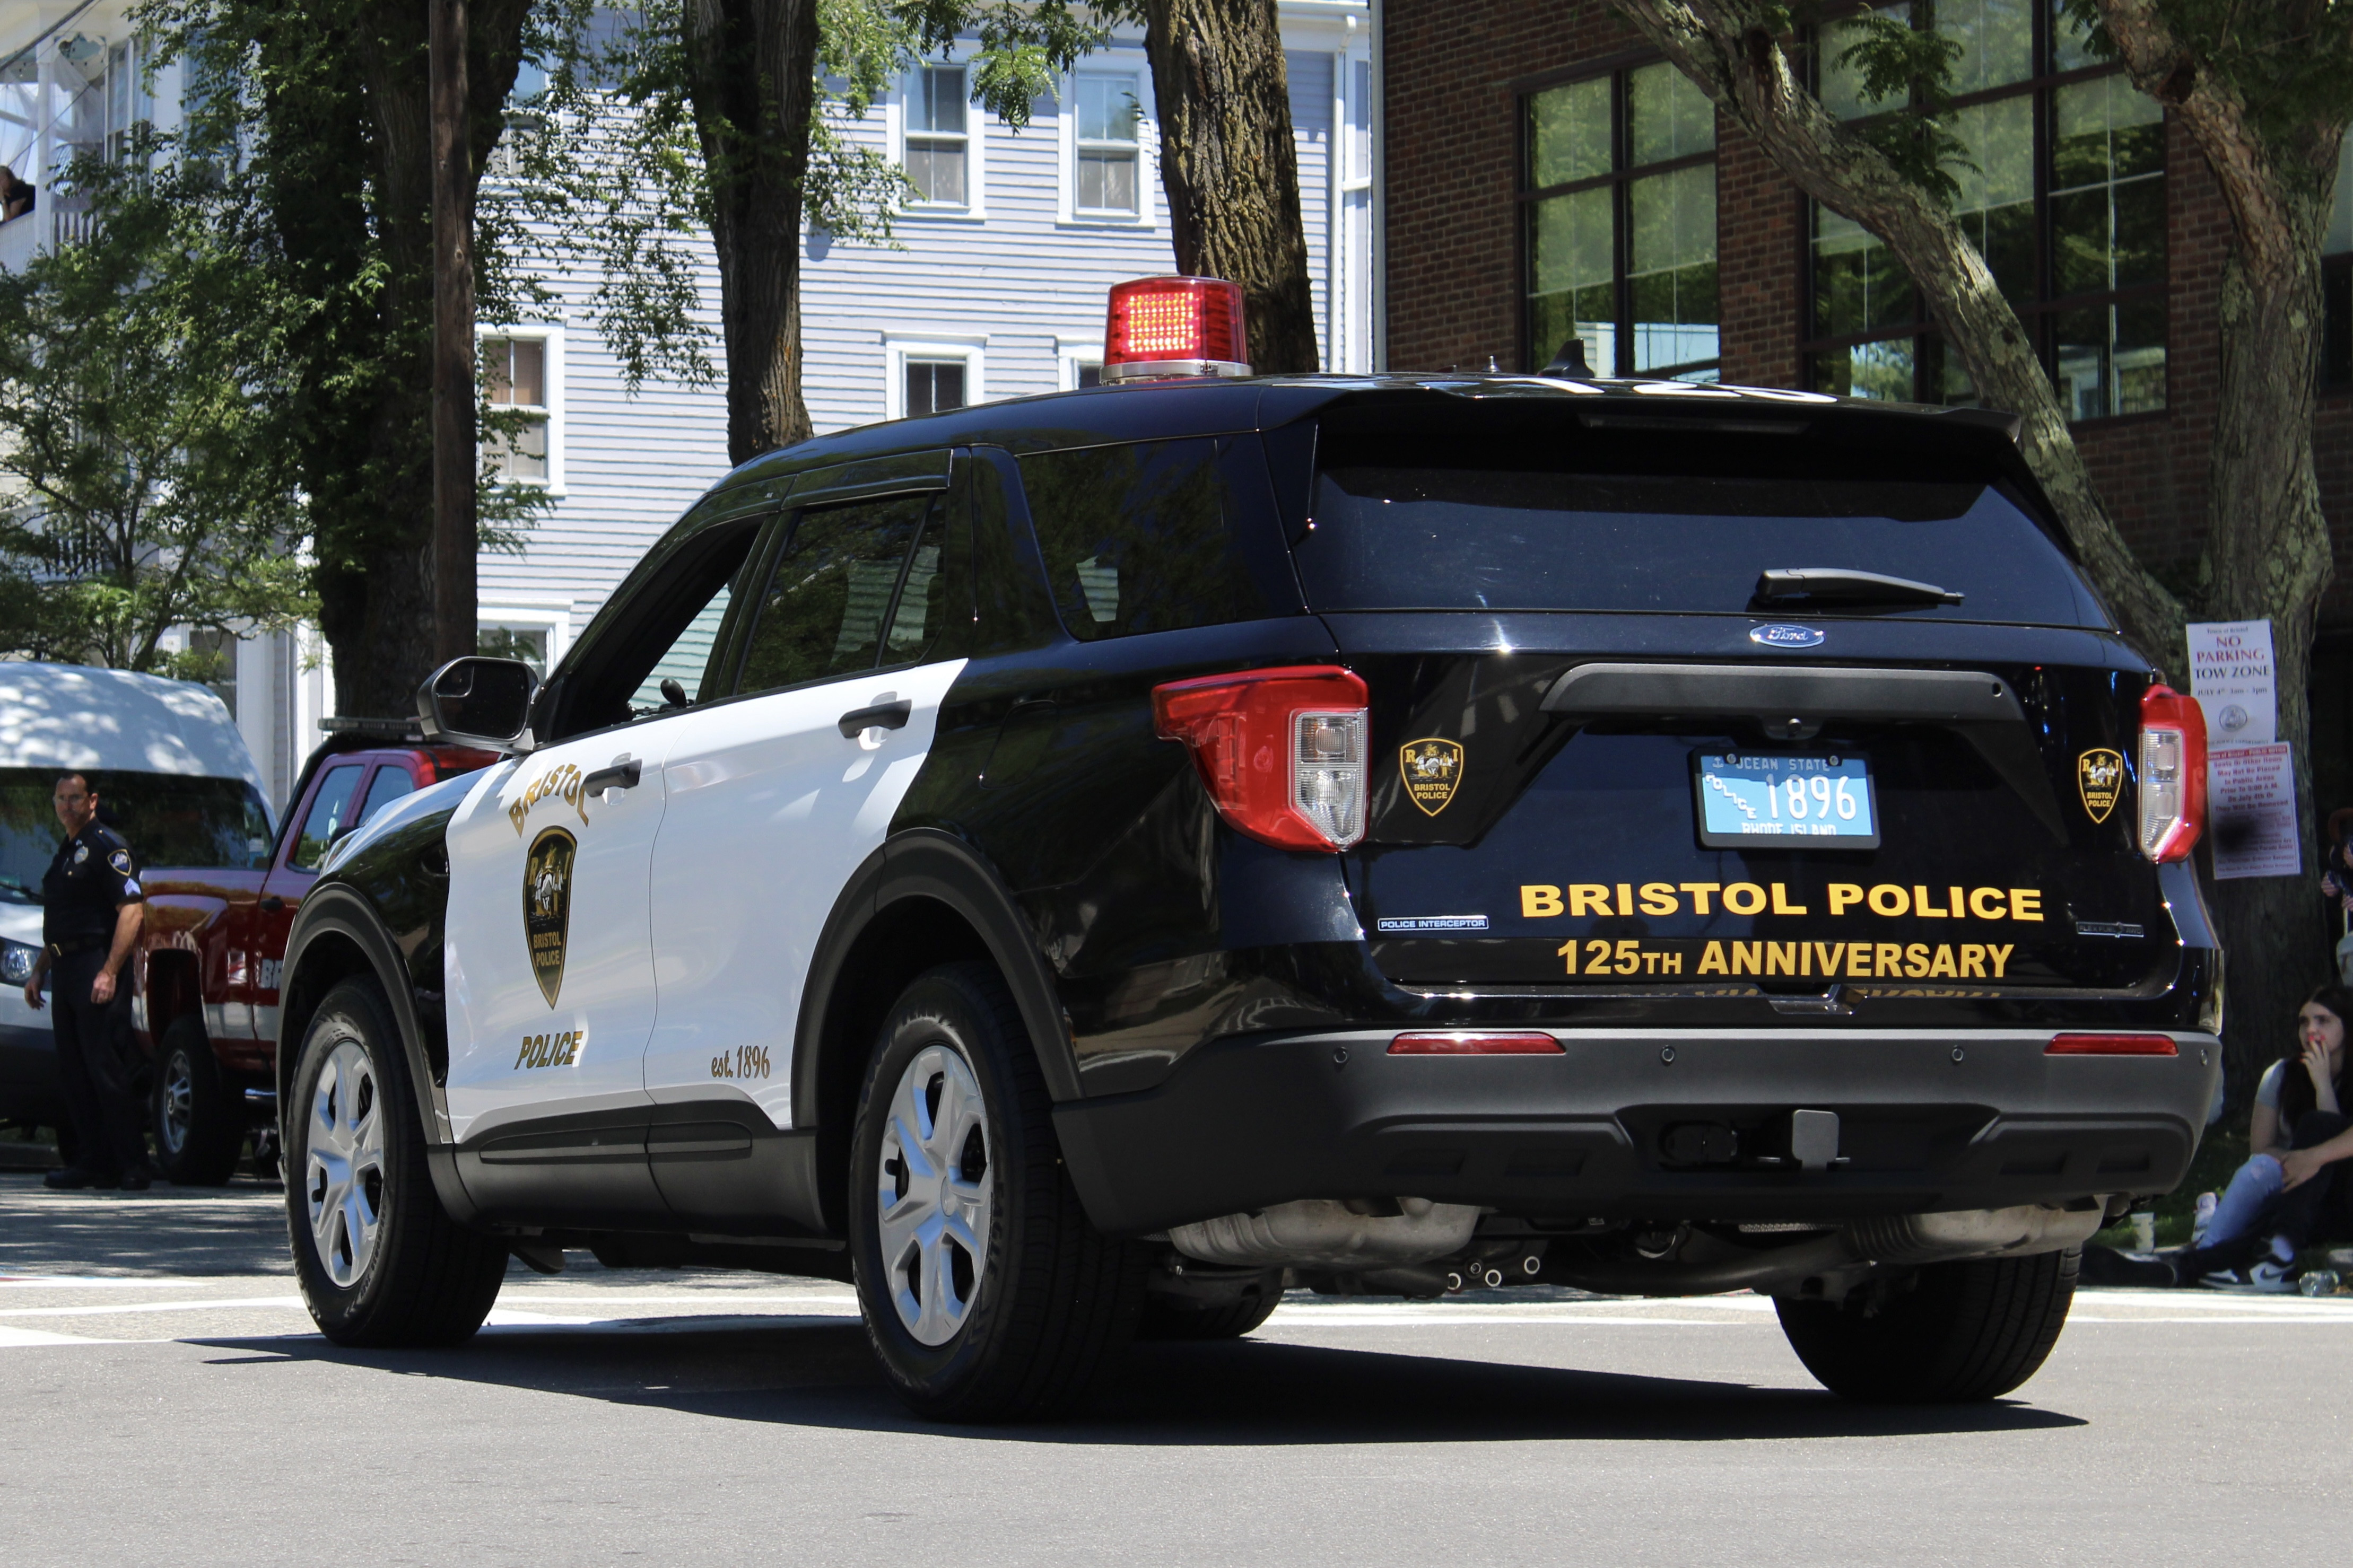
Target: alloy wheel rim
x: 343, y: 1175
x: 933, y: 1194
x: 179, y: 1096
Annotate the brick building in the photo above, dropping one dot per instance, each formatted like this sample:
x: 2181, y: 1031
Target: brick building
x: 1544, y: 174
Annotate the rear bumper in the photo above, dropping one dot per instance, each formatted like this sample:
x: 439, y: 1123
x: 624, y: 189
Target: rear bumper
x: 1243, y: 1124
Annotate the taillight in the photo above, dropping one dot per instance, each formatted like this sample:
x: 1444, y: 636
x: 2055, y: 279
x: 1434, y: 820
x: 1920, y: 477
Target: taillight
x: 1472, y: 1043
x: 1281, y: 752
x: 2172, y: 773
x: 2111, y: 1046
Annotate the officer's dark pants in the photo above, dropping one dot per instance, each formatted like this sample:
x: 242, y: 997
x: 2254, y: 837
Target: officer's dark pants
x: 98, y: 1059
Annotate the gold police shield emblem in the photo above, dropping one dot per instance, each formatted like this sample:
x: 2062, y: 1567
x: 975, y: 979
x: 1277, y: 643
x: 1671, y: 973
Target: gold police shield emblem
x: 2100, y: 779
x: 547, y: 906
x: 1432, y: 770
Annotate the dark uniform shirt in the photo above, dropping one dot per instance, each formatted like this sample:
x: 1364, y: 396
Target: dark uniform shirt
x: 93, y: 876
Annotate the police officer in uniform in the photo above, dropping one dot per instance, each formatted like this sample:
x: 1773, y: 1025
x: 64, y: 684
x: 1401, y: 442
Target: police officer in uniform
x: 89, y: 922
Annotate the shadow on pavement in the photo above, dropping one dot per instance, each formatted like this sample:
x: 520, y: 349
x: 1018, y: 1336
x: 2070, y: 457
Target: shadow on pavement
x: 1244, y: 1394
x: 236, y: 1229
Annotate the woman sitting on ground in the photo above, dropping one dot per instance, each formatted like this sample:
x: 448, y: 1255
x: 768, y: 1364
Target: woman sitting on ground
x: 2296, y: 1187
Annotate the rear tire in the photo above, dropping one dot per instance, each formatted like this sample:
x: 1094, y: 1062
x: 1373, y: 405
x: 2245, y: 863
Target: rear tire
x: 197, y: 1129
x: 987, y: 1296
x: 1962, y: 1333
x: 1170, y: 1318
x: 381, y: 1262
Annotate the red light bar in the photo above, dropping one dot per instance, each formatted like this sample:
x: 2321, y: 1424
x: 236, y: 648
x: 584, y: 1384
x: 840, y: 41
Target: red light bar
x: 1462, y: 1043
x: 2111, y: 1046
x: 1175, y: 326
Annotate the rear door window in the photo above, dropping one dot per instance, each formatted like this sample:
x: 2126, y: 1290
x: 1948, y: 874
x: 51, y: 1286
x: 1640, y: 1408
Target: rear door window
x: 329, y: 817
x: 829, y: 597
x: 391, y: 782
x: 1141, y: 538
x: 1434, y: 537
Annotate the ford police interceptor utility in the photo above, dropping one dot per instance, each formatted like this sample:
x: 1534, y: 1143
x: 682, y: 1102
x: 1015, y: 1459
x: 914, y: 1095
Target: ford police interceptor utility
x: 1064, y: 864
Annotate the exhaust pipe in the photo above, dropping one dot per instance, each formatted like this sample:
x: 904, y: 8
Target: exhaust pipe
x: 1896, y: 1241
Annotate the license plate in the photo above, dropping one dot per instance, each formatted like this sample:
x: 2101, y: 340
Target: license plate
x: 1824, y: 797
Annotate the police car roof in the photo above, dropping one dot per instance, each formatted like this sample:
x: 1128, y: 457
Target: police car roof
x: 1195, y: 407
x: 79, y: 716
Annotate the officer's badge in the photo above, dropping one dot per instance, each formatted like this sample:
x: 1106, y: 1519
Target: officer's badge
x: 547, y: 906
x: 1432, y: 770
x: 81, y: 853
x: 2100, y: 779
x: 121, y: 861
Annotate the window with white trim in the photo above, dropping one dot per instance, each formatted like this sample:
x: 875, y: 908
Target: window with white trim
x: 932, y: 385
x: 1106, y: 145
x: 1081, y: 364
x: 521, y: 371
x: 930, y: 374
x: 938, y: 157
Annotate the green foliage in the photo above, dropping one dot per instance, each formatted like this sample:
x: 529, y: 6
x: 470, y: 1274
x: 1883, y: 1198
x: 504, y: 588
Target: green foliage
x: 1907, y: 64
x: 2290, y: 61
x: 145, y: 487
x: 606, y: 176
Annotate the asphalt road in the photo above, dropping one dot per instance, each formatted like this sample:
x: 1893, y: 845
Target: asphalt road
x: 166, y: 1402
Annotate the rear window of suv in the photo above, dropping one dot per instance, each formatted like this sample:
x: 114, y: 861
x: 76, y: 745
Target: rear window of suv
x: 1447, y: 538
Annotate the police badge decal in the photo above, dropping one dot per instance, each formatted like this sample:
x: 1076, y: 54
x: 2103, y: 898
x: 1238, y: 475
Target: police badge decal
x: 547, y: 906
x: 1432, y: 770
x: 2099, y: 778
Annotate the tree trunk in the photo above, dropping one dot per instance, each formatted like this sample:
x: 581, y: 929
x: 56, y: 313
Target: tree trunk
x: 750, y: 69
x: 1729, y: 48
x: 1230, y: 168
x: 455, y: 527
x: 2267, y: 546
x: 376, y: 571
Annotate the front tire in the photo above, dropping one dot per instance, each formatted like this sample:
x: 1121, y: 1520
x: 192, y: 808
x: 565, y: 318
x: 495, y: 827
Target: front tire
x: 197, y: 1130
x: 1961, y: 1331
x: 987, y: 1294
x: 381, y: 1262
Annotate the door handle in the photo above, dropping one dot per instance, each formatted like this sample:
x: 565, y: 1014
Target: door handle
x: 622, y: 774
x: 271, y: 904
x: 882, y: 716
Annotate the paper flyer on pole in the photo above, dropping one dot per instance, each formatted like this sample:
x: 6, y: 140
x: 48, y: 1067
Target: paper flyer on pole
x: 2231, y: 676
x: 2251, y: 810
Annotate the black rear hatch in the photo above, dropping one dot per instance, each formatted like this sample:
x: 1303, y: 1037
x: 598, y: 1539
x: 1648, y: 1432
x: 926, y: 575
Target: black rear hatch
x: 1711, y: 701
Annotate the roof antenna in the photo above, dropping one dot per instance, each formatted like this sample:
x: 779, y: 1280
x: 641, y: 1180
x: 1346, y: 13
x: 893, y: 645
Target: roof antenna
x: 1570, y: 361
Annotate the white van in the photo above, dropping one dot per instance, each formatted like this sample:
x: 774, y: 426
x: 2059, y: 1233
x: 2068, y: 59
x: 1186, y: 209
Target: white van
x: 173, y: 776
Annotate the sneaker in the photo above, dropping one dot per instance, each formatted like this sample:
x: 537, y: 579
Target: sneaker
x: 2225, y: 1279
x: 73, y: 1178
x: 2269, y: 1277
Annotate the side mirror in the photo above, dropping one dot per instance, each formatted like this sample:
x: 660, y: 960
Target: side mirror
x: 480, y: 702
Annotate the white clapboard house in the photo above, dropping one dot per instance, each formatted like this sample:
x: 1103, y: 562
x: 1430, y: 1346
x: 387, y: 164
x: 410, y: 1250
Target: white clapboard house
x: 997, y: 290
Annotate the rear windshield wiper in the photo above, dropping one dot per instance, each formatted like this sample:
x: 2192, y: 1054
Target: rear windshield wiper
x: 1843, y: 586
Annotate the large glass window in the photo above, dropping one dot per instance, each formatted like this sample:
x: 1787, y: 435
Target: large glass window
x: 938, y: 137
x: 1619, y: 196
x: 829, y: 598
x: 171, y: 820
x: 2062, y: 191
x: 2337, y: 278
x: 1105, y: 143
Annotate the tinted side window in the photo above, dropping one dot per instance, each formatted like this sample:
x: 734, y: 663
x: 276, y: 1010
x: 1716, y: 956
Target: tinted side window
x: 329, y: 814
x: 1010, y: 604
x: 827, y: 602
x: 925, y: 600
x: 391, y: 782
x: 667, y: 630
x: 1138, y: 539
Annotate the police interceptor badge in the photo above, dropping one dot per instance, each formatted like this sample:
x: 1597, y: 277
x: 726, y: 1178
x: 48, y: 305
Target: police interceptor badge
x: 1432, y: 770
x: 2099, y: 778
x: 547, y: 906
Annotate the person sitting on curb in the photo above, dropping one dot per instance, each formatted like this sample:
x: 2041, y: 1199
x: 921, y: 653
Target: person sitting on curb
x: 2296, y: 1188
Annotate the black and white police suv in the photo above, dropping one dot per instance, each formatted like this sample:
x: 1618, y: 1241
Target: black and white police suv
x: 1066, y: 863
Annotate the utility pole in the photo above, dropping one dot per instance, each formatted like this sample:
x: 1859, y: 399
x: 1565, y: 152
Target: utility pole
x: 454, y: 534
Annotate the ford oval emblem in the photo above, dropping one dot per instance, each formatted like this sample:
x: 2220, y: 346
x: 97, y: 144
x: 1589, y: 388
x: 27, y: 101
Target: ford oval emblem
x: 1786, y: 637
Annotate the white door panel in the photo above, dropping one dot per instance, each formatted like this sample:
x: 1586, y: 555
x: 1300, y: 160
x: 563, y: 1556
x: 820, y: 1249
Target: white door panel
x: 770, y: 810
x: 527, y: 1039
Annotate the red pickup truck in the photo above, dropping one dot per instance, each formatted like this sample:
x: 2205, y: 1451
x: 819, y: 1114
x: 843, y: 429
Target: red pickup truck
x: 208, y: 957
